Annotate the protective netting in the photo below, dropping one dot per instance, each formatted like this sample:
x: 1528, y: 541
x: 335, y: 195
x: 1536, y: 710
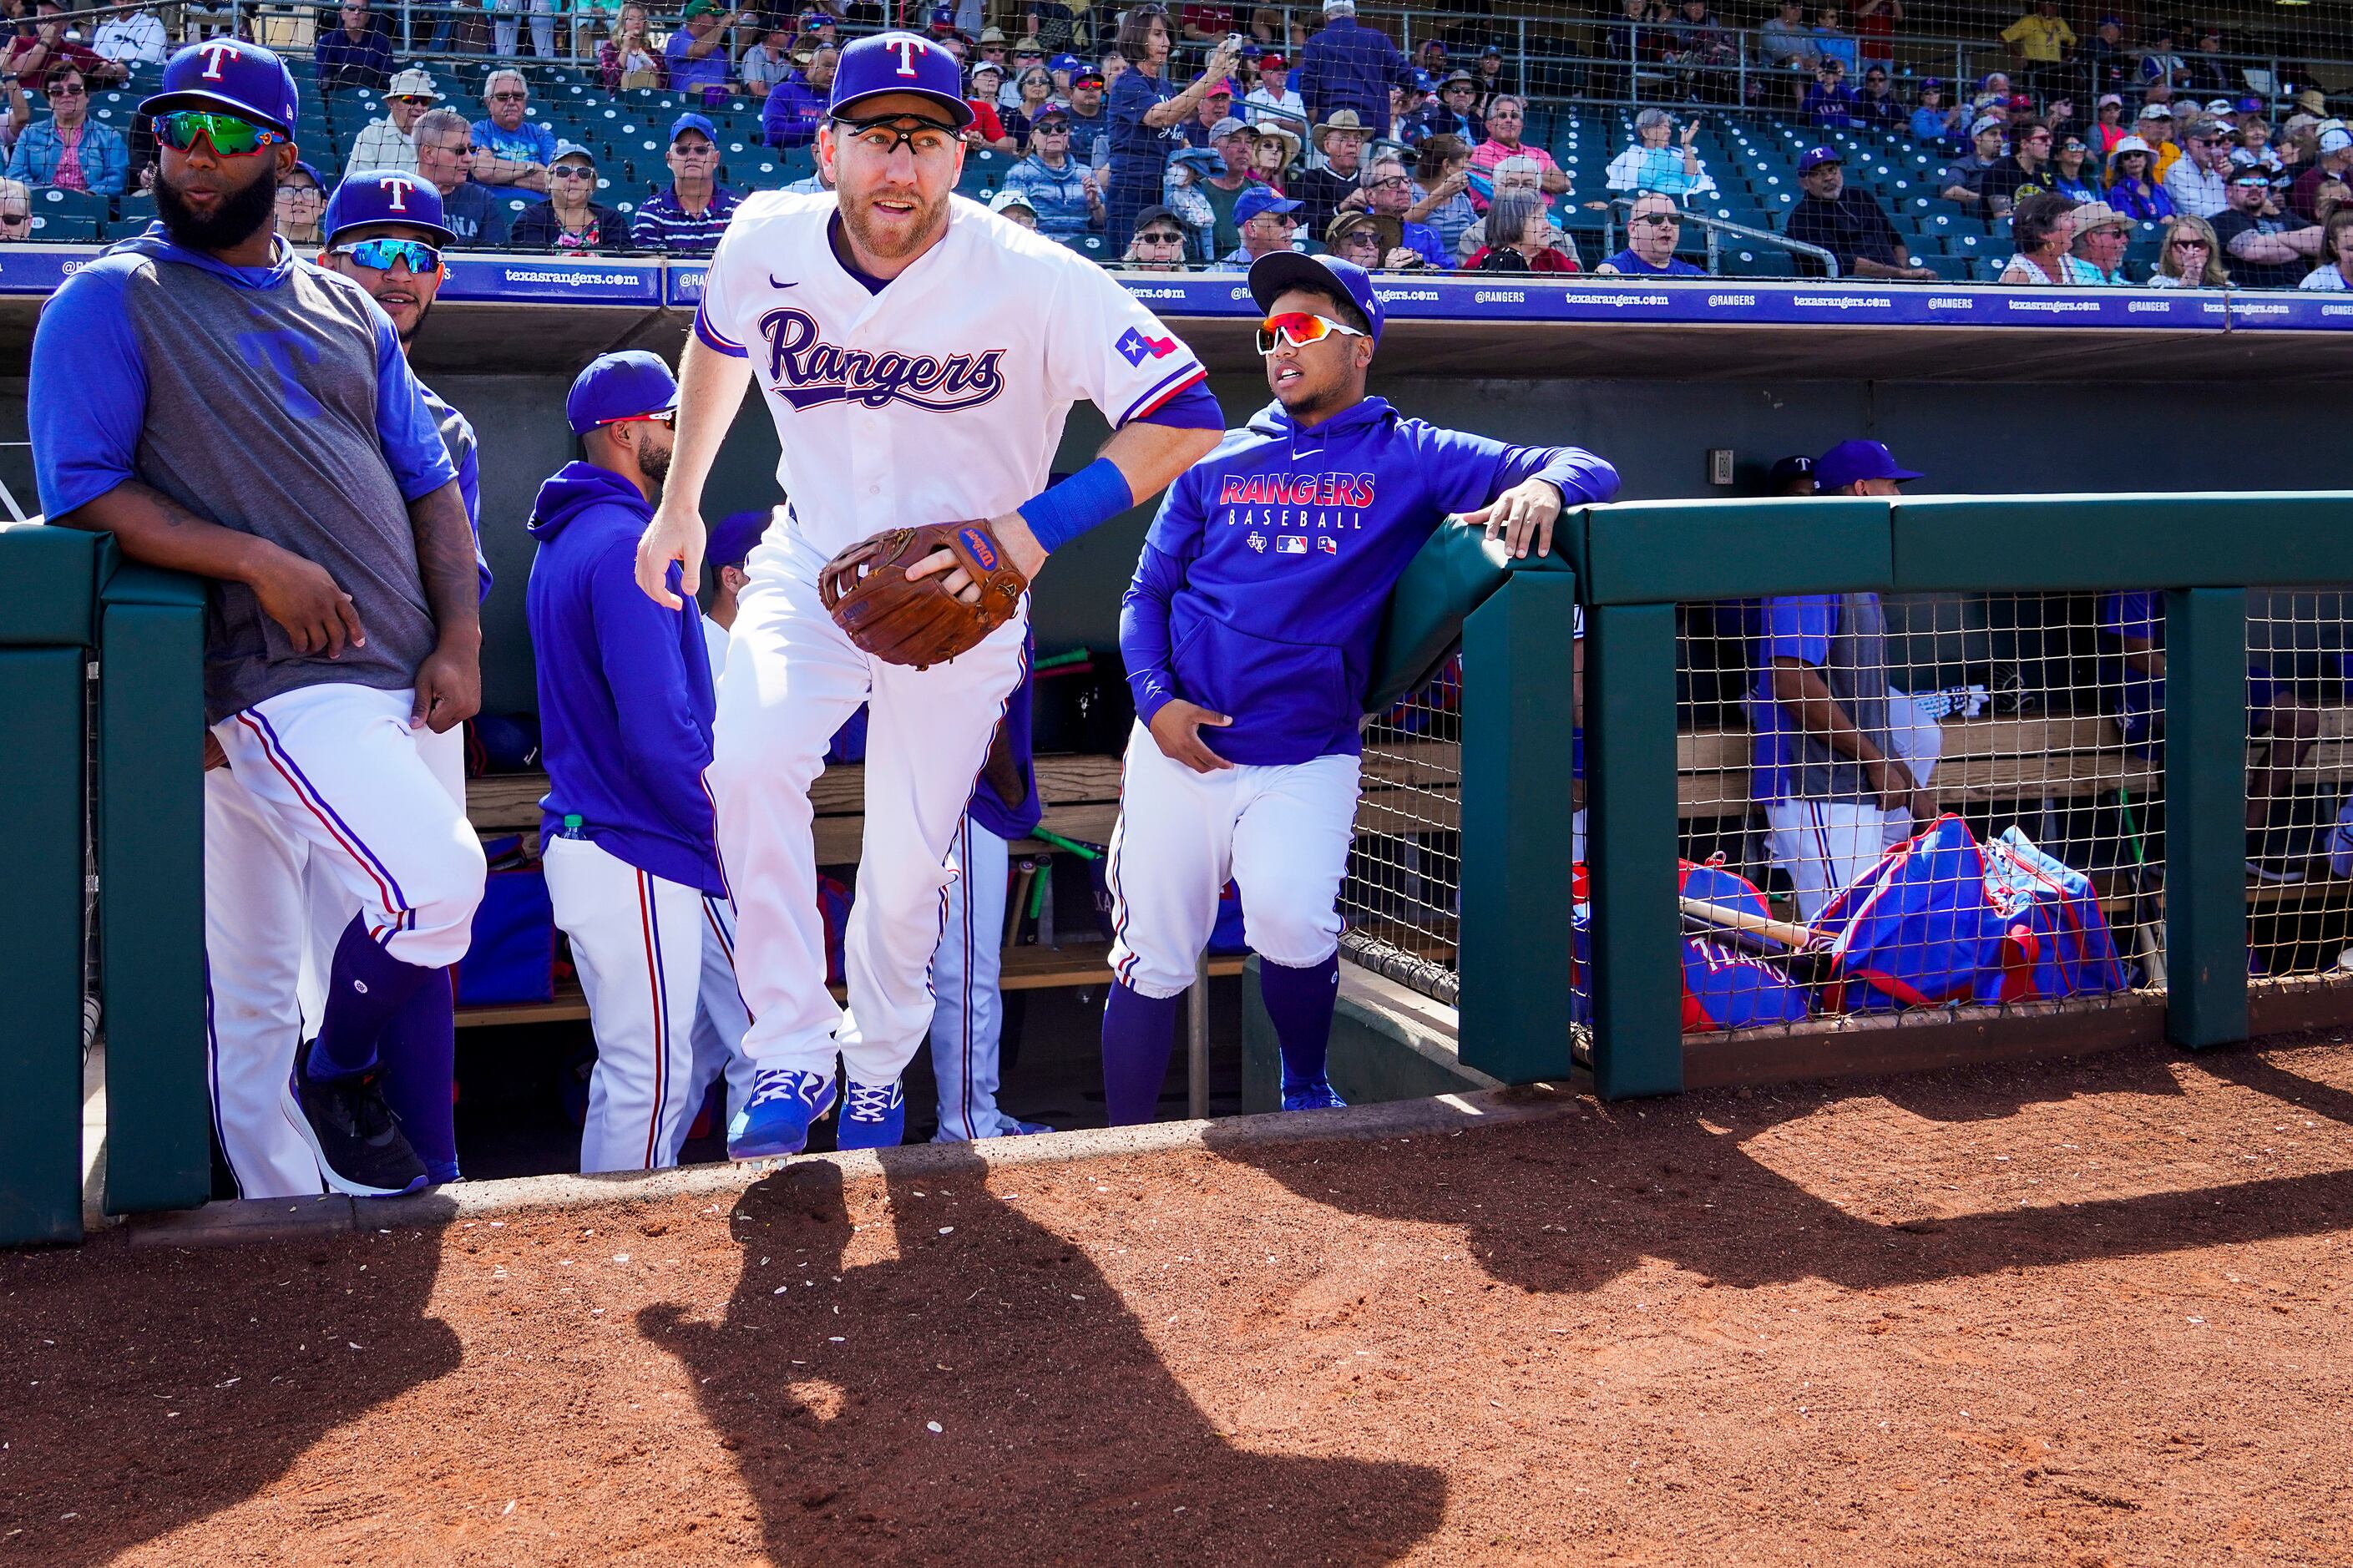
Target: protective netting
x: 1911, y: 804
x: 1402, y: 899
x: 2300, y: 809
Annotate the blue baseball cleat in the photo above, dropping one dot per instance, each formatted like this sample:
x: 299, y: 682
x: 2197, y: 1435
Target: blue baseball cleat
x: 785, y: 1104
x: 1316, y: 1096
x: 875, y: 1117
x: 1017, y: 1128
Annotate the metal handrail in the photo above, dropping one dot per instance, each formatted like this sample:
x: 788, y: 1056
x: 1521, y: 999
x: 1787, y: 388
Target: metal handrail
x: 1716, y: 229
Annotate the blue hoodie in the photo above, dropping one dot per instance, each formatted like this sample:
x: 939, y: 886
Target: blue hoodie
x: 1263, y: 579
x: 625, y: 700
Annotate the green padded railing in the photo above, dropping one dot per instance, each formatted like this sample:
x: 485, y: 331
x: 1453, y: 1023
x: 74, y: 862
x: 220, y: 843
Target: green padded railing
x: 67, y: 599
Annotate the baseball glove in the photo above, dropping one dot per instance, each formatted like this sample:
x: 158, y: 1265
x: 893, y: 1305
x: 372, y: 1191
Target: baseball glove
x: 867, y: 591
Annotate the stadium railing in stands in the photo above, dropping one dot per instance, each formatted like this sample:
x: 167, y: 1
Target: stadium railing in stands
x: 1465, y: 863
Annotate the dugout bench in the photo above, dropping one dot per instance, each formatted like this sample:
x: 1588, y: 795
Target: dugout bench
x: 1080, y: 795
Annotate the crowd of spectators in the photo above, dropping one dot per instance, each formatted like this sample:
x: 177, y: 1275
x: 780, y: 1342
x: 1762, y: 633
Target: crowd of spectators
x: 1246, y: 130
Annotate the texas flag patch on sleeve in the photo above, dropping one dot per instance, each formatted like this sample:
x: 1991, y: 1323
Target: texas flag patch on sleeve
x: 1135, y: 345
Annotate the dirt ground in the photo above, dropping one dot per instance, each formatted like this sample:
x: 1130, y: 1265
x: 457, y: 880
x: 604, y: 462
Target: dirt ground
x: 2085, y: 1313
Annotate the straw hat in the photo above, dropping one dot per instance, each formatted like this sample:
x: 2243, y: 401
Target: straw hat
x: 1343, y: 119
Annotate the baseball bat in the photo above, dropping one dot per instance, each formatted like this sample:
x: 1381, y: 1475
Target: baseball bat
x: 1788, y: 935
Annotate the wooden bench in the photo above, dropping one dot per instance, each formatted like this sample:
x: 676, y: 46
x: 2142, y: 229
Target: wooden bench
x: 1082, y: 801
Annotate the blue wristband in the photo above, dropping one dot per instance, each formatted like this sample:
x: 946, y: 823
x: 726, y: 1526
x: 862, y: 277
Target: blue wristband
x: 1084, y: 501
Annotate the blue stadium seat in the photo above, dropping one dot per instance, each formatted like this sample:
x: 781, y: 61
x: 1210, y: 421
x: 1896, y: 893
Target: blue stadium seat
x: 55, y: 204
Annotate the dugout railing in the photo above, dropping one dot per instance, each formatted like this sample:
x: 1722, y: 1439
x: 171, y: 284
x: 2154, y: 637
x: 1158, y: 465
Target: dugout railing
x: 93, y: 647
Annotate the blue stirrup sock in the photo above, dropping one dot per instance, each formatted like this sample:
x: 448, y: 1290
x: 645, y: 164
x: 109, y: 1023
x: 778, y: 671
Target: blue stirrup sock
x: 1299, y: 1003
x: 367, y: 988
x: 419, y: 1051
x: 1139, y: 1035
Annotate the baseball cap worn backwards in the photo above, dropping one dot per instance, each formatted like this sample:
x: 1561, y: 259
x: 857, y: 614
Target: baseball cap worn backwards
x: 626, y: 386
x: 1851, y: 461
x: 885, y: 63
x: 1277, y: 270
x: 228, y: 74
x: 386, y: 195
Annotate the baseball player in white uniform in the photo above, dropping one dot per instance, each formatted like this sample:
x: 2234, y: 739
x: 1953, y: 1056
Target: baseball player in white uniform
x: 919, y: 355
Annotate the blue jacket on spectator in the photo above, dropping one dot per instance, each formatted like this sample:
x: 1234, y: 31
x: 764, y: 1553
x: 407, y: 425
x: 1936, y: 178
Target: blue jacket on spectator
x: 1059, y: 198
x: 1933, y: 126
x: 105, y: 161
x: 793, y: 112
x: 1832, y: 105
x: 529, y: 142
x: 1350, y: 66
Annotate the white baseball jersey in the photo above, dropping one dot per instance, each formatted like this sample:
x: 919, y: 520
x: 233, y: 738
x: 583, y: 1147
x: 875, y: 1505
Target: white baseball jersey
x: 941, y: 396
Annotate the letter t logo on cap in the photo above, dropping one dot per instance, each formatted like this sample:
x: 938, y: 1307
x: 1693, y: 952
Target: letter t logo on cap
x: 907, y: 48
x: 216, y: 52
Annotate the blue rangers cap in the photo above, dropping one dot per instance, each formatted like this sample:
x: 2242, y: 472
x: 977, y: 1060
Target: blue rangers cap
x: 1257, y: 198
x: 228, y: 74
x: 627, y: 385
x: 732, y: 537
x: 1277, y: 270
x: 900, y: 62
x: 1851, y: 461
x: 386, y: 195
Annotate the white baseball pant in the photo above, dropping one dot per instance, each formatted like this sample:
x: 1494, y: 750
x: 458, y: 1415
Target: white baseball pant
x: 969, y: 1009
x: 1282, y: 832
x: 1919, y: 742
x: 326, y: 782
x: 792, y: 679
x: 1823, y: 844
x: 645, y: 947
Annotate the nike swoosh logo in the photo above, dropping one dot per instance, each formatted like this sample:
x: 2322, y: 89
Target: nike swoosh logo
x: 774, y: 284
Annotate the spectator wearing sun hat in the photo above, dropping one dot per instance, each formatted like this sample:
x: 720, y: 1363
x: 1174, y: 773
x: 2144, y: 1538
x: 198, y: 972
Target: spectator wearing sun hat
x: 385, y: 144
x: 2103, y: 235
x: 2131, y: 190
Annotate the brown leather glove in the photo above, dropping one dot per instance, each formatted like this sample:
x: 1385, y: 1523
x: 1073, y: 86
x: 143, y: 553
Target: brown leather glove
x: 917, y: 621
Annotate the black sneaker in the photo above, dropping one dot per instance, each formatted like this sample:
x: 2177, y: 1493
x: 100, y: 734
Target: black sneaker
x: 354, y: 1135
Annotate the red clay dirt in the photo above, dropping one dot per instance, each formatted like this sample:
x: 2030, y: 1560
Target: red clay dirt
x: 2095, y: 1312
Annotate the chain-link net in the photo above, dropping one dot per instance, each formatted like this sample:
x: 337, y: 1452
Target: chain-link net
x: 1402, y: 899
x: 1912, y: 804
x: 2299, y: 813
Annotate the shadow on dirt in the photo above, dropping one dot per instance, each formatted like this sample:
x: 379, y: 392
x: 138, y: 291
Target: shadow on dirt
x: 1059, y: 1435
x: 153, y: 1388
x: 1570, y: 1203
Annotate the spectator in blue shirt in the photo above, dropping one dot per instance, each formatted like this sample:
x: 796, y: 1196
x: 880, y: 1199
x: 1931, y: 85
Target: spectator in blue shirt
x: 1389, y: 194
x: 697, y: 52
x: 1350, y: 66
x: 446, y: 159
x: 518, y: 150
x: 1830, y: 101
x: 1059, y: 188
x: 356, y: 54
x: 1934, y: 123
x: 1147, y: 117
x: 1654, y: 224
x: 688, y: 218
x: 69, y: 149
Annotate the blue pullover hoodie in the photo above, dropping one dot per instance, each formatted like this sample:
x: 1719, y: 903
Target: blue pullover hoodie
x: 625, y: 698
x: 1263, y: 579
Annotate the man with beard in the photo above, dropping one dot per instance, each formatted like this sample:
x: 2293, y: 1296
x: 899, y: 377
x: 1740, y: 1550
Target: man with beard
x: 224, y: 408
x: 624, y: 709
x: 905, y: 390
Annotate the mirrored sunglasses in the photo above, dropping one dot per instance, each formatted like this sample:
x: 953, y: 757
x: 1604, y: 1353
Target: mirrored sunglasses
x: 378, y: 255
x: 1299, y: 329
x: 230, y: 135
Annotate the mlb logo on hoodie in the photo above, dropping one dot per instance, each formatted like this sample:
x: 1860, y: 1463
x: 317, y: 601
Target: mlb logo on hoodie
x: 1291, y: 544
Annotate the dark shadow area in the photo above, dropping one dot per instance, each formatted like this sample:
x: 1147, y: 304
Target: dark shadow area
x: 2242, y: 1066
x: 1569, y: 1204
x: 1061, y: 1437
x: 151, y: 1388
